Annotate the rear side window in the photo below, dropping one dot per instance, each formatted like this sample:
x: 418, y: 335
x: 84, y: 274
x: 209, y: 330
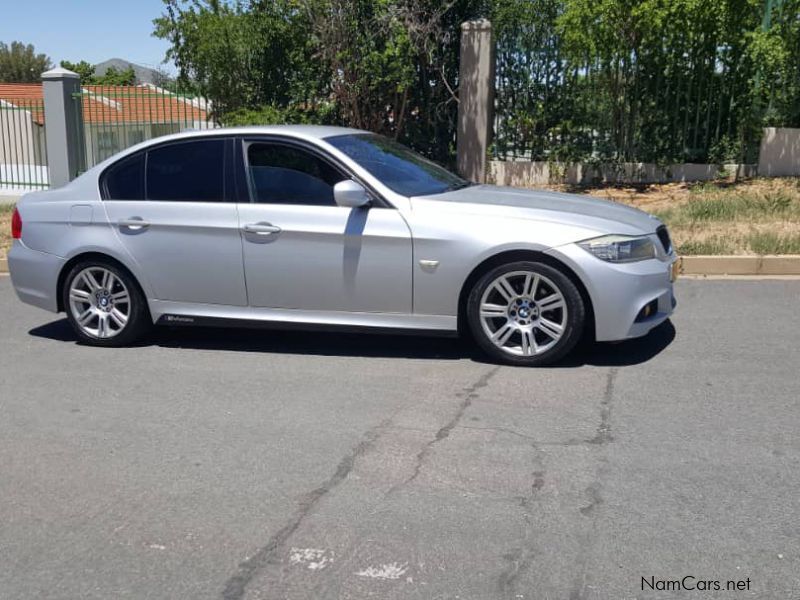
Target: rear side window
x: 125, y: 180
x: 187, y: 172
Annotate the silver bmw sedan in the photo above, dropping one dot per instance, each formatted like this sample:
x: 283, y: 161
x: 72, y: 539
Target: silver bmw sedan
x: 329, y: 227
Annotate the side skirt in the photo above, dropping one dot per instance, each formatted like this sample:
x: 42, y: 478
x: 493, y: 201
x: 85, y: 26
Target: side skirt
x: 189, y: 314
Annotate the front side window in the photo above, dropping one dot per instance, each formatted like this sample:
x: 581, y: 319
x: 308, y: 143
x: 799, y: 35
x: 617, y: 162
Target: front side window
x: 125, y: 179
x: 399, y: 168
x: 187, y: 172
x: 282, y: 174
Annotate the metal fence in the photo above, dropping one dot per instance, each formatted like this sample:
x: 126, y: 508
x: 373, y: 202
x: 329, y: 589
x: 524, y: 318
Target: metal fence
x: 23, y: 150
x: 694, y: 94
x: 688, y: 111
x: 116, y: 117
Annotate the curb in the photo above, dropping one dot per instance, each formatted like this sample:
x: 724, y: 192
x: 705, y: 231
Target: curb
x: 788, y: 264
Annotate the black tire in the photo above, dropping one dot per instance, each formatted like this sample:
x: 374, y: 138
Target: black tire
x: 138, y: 322
x: 573, y: 320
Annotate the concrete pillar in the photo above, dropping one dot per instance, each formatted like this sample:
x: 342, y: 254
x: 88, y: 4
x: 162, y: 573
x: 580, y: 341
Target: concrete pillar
x: 475, y: 99
x: 63, y: 123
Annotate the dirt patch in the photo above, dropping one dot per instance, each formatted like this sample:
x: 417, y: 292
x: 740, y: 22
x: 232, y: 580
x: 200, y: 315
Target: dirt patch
x: 5, y: 230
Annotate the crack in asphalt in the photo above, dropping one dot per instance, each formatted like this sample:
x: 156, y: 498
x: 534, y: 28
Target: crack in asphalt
x: 541, y: 443
x: 603, y: 435
x: 236, y: 585
x: 469, y: 393
x: 595, y: 490
x: 519, y: 559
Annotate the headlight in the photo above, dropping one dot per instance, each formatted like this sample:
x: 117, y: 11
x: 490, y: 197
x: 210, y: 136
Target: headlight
x: 620, y: 248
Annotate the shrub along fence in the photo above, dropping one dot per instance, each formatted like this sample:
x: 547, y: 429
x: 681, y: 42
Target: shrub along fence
x: 677, y: 82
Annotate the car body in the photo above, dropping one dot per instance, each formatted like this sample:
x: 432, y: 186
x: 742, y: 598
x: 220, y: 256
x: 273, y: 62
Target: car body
x: 340, y: 233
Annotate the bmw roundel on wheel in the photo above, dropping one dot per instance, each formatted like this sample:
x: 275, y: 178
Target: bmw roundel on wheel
x: 332, y: 227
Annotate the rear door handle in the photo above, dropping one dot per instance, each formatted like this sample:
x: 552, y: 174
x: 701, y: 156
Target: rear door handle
x: 134, y: 223
x: 261, y: 228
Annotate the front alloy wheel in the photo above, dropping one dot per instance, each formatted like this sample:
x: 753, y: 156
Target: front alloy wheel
x: 104, y: 305
x: 526, y: 313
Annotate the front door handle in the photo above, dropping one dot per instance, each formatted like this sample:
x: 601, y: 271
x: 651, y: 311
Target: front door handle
x: 261, y: 228
x: 135, y: 223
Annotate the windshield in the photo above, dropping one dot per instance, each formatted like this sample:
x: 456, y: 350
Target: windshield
x: 397, y: 167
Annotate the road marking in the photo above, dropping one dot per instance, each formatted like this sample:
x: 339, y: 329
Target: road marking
x: 314, y: 559
x: 389, y: 571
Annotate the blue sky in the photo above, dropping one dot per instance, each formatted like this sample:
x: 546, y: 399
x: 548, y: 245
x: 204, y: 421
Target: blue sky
x: 90, y: 30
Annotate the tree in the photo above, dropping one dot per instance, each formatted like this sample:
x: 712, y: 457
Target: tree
x: 163, y: 79
x: 112, y: 76
x: 369, y: 57
x: 84, y: 70
x: 19, y: 63
x: 240, y: 57
x: 390, y: 66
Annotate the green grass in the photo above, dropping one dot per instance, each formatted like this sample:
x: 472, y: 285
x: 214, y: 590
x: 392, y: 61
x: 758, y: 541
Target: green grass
x: 712, y: 245
x: 6, y: 208
x: 727, y: 206
x: 772, y: 243
x: 759, y: 216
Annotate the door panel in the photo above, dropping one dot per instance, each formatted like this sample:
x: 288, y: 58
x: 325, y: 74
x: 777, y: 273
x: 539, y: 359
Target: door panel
x: 326, y: 258
x: 189, y: 251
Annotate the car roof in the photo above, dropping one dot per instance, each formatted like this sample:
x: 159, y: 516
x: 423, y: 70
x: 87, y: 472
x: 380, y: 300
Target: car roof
x: 299, y: 131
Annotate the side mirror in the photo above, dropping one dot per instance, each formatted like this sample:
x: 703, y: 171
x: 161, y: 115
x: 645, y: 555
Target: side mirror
x: 351, y: 194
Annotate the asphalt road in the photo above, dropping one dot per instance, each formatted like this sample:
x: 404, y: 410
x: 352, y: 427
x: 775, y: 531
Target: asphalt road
x: 210, y: 464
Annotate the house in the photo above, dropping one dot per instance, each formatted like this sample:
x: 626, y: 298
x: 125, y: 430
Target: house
x: 23, y: 155
x: 113, y: 117
x: 117, y: 117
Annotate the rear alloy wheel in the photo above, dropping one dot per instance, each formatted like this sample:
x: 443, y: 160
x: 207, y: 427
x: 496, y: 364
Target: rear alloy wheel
x: 526, y: 313
x: 104, y: 305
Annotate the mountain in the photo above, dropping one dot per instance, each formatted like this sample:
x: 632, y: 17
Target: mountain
x: 143, y: 74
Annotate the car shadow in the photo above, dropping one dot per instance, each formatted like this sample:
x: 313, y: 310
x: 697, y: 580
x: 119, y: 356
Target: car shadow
x: 329, y: 343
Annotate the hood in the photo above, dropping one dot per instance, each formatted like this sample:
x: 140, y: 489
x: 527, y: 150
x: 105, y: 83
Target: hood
x: 550, y: 204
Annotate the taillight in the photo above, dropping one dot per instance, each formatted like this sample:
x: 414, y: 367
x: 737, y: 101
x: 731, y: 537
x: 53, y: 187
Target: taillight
x: 16, y: 225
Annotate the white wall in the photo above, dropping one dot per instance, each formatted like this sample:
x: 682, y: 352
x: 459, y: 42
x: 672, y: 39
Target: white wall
x: 779, y: 155
x: 20, y: 138
x: 21, y: 146
x: 538, y: 173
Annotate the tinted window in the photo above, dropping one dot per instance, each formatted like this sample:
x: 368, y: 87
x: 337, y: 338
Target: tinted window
x: 189, y: 171
x: 397, y: 167
x: 125, y: 180
x: 281, y: 174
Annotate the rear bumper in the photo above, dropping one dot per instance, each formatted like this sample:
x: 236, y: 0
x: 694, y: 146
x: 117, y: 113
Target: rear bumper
x: 34, y: 275
x: 620, y: 291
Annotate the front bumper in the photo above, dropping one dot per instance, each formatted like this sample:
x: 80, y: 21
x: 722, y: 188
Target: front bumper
x: 620, y: 291
x: 34, y: 275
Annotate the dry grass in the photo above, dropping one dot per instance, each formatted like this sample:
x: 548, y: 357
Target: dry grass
x: 756, y: 216
x: 5, y: 228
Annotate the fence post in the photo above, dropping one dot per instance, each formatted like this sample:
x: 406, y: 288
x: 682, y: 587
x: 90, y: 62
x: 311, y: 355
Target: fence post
x: 475, y: 99
x: 62, y: 125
